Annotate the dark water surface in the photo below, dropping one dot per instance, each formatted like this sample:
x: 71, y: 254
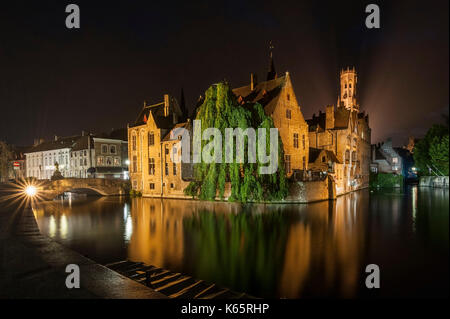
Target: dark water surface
x: 287, y: 251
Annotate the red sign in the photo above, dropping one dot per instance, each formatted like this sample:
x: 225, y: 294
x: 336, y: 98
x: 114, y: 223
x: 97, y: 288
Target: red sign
x: 16, y: 164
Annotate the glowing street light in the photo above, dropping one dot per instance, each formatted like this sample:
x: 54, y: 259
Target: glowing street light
x: 30, y: 190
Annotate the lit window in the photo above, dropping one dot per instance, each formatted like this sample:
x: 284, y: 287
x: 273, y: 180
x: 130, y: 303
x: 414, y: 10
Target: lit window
x: 395, y: 160
x: 151, y: 166
x: 295, y: 140
x: 100, y: 160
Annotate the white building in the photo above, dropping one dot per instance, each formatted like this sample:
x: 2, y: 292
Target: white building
x: 42, y: 157
x: 82, y: 156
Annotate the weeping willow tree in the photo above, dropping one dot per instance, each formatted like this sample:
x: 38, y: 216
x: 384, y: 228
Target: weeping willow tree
x: 221, y: 110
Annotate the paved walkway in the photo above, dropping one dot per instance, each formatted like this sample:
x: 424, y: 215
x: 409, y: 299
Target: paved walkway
x: 33, y: 265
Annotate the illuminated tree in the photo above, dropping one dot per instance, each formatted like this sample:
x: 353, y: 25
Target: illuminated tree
x: 221, y: 110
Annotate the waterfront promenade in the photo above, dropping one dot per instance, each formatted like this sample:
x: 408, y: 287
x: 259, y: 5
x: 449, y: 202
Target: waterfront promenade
x: 33, y: 266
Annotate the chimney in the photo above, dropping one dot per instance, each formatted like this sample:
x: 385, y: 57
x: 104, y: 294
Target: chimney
x: 56, y: 138
x: 253, y: 81
x: 329, y: 117
x: 82, y: 133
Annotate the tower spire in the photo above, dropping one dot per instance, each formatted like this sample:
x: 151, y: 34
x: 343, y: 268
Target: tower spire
x: 271, y: 74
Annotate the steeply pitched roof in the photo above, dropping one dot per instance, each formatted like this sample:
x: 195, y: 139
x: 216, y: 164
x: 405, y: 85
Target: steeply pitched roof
x: 314, y: 153
x: 265, y: 93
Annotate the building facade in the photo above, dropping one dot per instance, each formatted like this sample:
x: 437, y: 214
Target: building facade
x: 81, y: 156
x: 151, y: 143
x: 386, y: 159
x: 345, y: 131
x: 279, y: 101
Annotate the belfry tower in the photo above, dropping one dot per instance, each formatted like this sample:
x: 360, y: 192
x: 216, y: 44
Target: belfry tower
x: 347, y: 97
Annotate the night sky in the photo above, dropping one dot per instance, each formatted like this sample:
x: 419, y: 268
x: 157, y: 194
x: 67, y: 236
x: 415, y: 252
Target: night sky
x: 59, y: 81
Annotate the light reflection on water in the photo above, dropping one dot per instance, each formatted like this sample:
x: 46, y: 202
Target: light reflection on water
x: 276, y: 250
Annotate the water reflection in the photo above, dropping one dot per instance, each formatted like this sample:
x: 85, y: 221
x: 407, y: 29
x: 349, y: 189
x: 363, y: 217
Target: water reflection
x: 287, y: 251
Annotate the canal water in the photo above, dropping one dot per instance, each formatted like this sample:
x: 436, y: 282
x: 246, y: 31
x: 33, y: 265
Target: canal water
x: 277, y: 250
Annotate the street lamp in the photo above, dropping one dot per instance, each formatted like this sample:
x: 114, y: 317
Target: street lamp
x: 30, y: 190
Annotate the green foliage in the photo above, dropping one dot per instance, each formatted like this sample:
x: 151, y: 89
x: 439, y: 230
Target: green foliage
x: 126, y: 187
x: 134, y: 193
x: 432, y: 151
x: 221, y: 110
x: 439, y: 149
x: 385, y: 180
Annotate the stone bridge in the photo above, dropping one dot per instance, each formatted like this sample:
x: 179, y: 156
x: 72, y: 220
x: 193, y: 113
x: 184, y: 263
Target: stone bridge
x: 96, y: 186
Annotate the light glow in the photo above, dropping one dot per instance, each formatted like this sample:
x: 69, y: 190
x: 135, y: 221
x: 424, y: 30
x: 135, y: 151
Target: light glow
x: 31, y: 190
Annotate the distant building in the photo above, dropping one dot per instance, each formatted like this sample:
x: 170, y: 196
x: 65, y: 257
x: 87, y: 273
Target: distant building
x: 385, y: 159
x: 80, y: 156
x: 392, y: 160
x: 17, y: 166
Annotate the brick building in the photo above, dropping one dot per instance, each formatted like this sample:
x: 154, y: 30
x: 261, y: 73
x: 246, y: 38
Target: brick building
x: 345, y: 131
x: 151, y: 139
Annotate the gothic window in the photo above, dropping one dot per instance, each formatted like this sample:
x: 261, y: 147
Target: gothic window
x: 166, y: 168
x: 295, y: 140
x: 345, y: 85
x: 174, y: 169
x: 151, y: 139
x: 350, y: 85
x: 347, y: 156
x: 287, y: 163
x: 133, y: 142
x: 152, y: 185
x: 108, y: 161
x: 288, y: 97
x: 151, y: 166
x: 134, y: 164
